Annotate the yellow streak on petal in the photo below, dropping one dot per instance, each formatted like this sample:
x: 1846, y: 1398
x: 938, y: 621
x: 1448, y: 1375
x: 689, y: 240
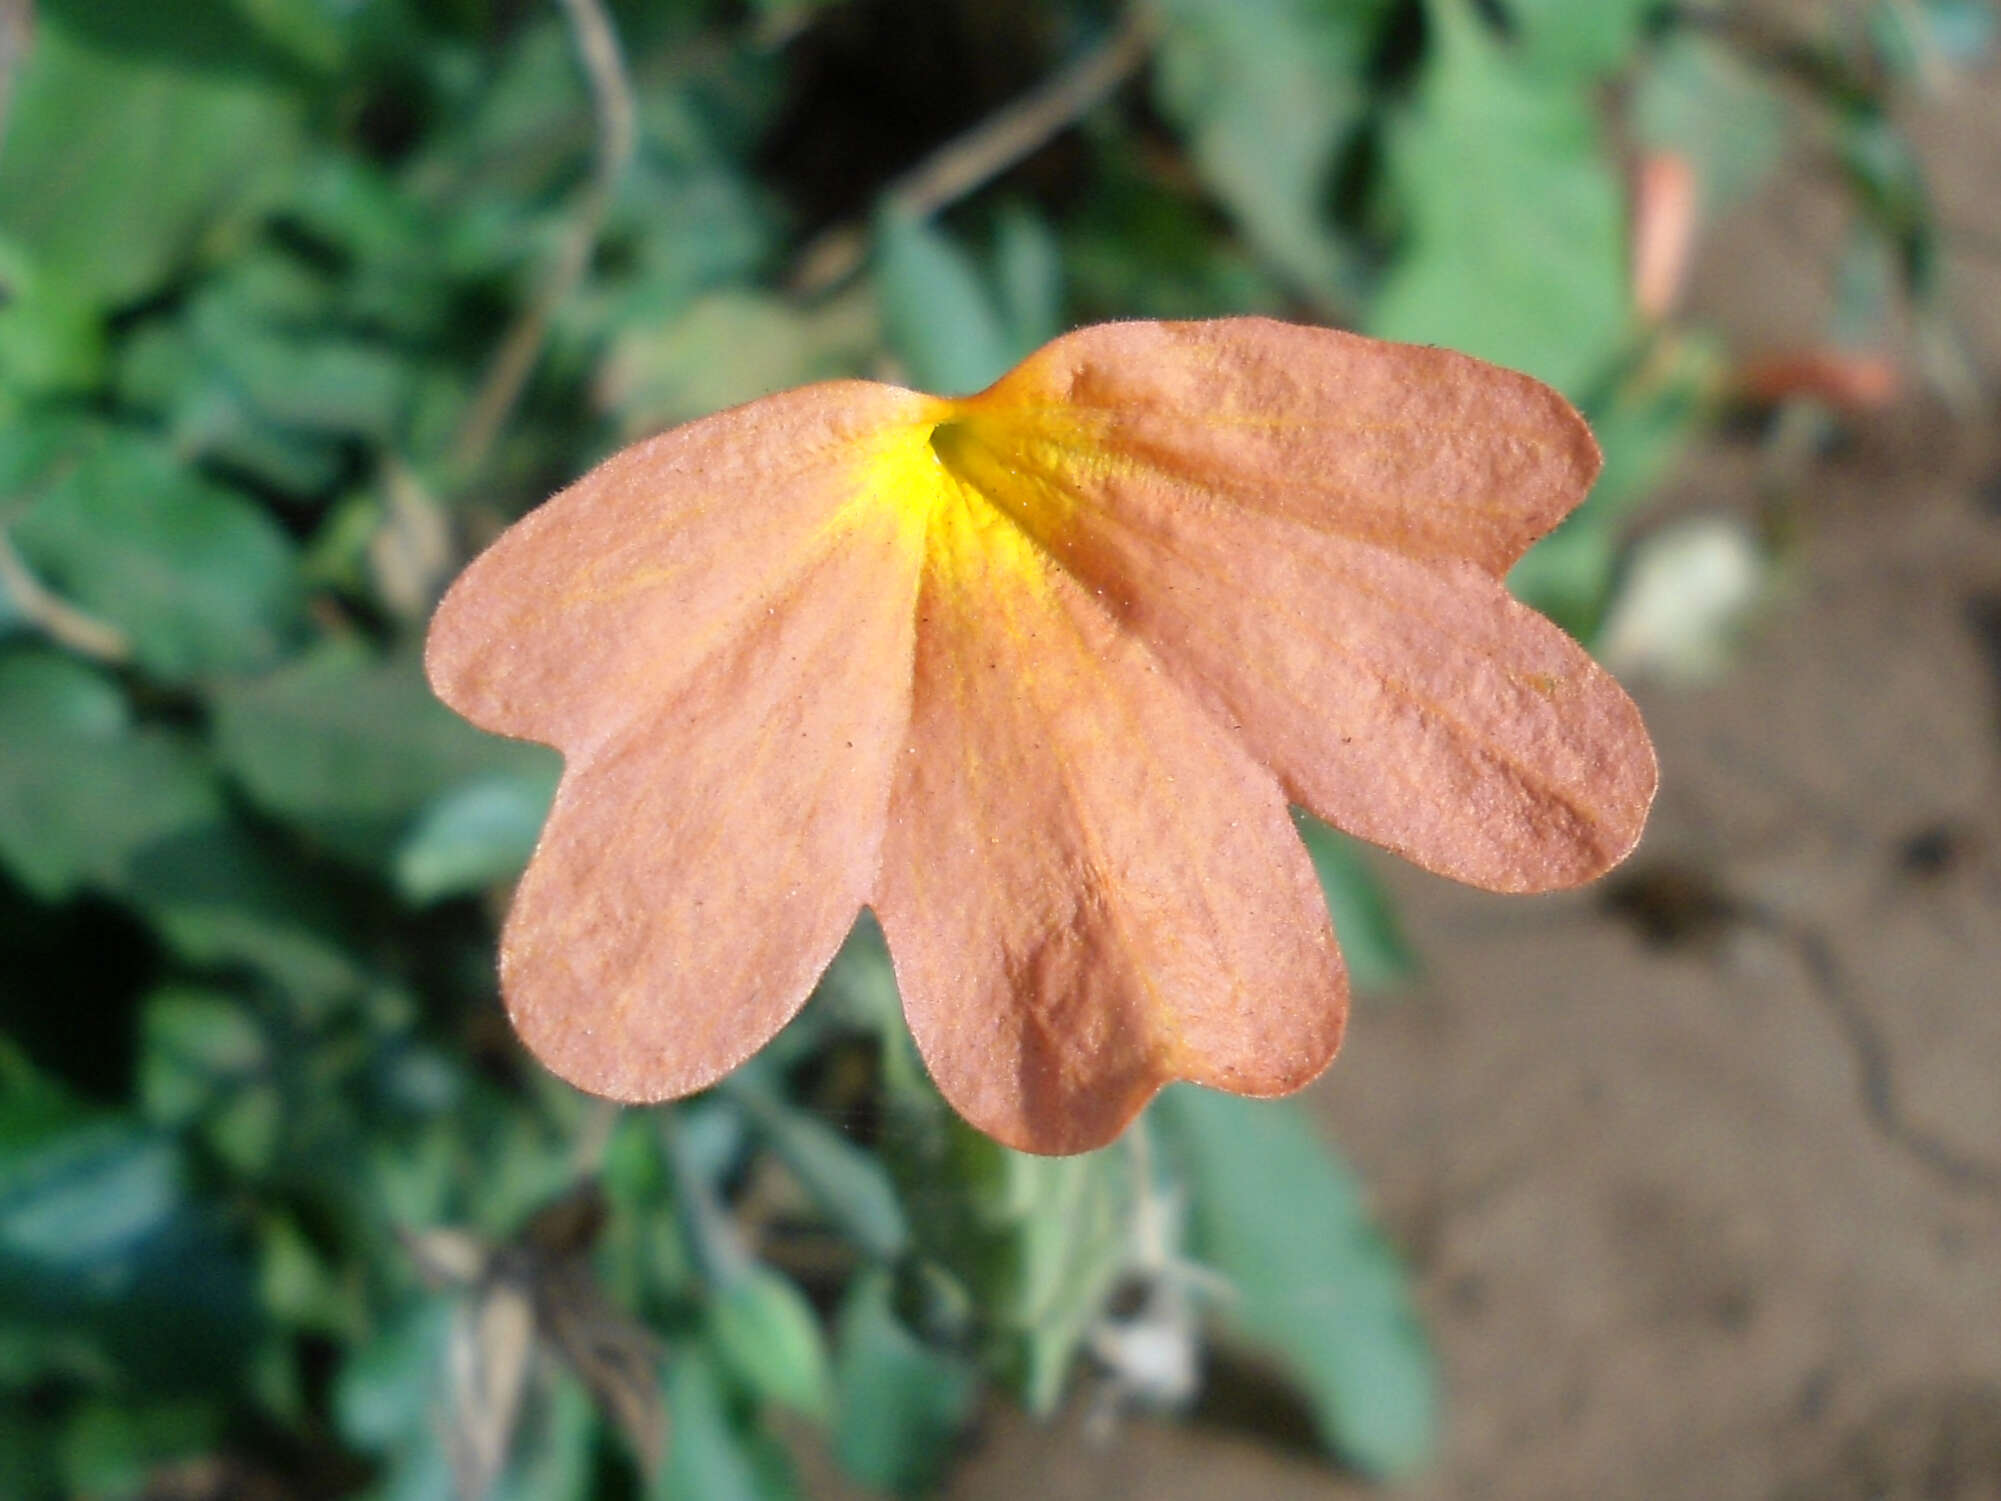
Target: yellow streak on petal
x: 945, y: 472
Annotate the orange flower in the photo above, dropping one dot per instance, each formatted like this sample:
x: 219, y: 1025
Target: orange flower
x: 1034, y: 675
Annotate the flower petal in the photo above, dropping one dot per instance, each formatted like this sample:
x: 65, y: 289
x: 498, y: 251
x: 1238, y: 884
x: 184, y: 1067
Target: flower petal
x: 1407, y: 699
x: 594, y: 604
x: 1087, y: 888
x: 715, y: 628
x: 701, y: 867
x: 1422, y: 450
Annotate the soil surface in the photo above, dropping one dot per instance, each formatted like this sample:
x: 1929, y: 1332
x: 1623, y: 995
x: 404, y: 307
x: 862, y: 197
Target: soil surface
x: 1700, y: 1169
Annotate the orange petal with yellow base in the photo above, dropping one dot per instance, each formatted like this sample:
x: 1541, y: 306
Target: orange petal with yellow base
x: 1088, y: 888
x: 715, y: 629
x: 1381, y: 670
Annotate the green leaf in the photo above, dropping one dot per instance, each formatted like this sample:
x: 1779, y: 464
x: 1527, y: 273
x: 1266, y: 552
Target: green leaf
x: 314, y: 33
x: 731, y: 347
x: 1643, y: 428
x: 1889, y: 184
x: 899, y: 1404
x: 1135, y: 247
x: 768, y: 1334
x: 201, y: 581
x: 938, y: 315
x: 1266, y: 92
x: 709, y: 1456
x: 1277, y: 1214
x: 113, y: 1448
x: 250, y: 374
x: 51, y: 335
x: 473, y: 836
x: 222, y: 898
x: 849, y: 1184
x: 1028, y: 277
x: 1915, y: 36
x: 1578, y: 40
x: 388, y: 1387
x: 1515, y: 244
x: 136, y: 132
x: 257, y: 328
x: 204, y: 1060
x: 1071, y: 1215
x: 27, y: 1453
x: 104, y: 1249
x: 352, y: 748
x: 1036, y: 1242
x: 195, y: 1044
x: 83, y: 792
x: 553, y: 1453
x: 204, y: 38
x: 1365, y: 921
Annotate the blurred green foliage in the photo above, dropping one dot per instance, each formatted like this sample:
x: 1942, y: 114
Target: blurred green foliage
x: 275, y: 1183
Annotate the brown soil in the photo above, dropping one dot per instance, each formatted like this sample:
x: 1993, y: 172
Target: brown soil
x: 1701, y: 1170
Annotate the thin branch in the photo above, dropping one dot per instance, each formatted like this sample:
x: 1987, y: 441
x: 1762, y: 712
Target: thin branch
x: 58, y: 619
x: 611, y: 99
x: 969, y: 161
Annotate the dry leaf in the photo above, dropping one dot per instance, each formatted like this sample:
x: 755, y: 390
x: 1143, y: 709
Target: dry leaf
x: 1666, y: 206
x: 492, y: 1342
x: 1849, y: 380
x: 1034, y: 674
x: 537, y: 1290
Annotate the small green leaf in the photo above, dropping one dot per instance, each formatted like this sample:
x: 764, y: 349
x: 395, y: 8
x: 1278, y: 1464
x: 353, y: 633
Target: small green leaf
x: 938, y: 315
x: 201, y: 581
x: 730, y: 347
x: 709, y: 1455
x: 388, y: 1387
x: 203, y: 1060
x: 554, y: 1452
x: 1037, y: 1242
x: 1278, y: 1215
x: 899, y: 1403
x: 83, y: 792
x: 103, y: 1246
x: 51, y: 335
x: 195, y: 1044
x: 1028, y: 277
x: 1267, y: 92
x: 220, y: 897
x: 1577, y: 40
x: 1885, y: 176
x: 122, y: 157
x: 353, y: 749
x: 849, y: 1184
x: 1515, y: 245
x: 1643, y: 428
x: 1072, y: 1217
x: 768, y: 1334
x: 474, y: 836
x: 113, y: 1448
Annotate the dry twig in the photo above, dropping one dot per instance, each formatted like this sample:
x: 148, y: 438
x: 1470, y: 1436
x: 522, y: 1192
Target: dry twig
x: 611, y: 98
x: 58, y: 619
x: 974, y: 158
